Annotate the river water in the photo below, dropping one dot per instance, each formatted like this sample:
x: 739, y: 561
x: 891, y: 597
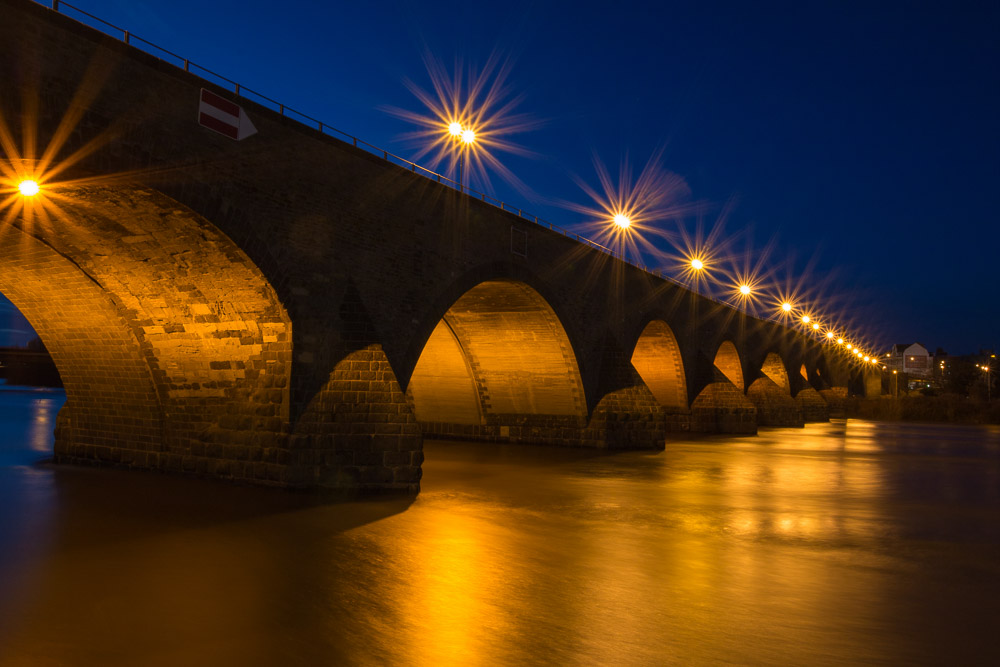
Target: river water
x: 848, y: 542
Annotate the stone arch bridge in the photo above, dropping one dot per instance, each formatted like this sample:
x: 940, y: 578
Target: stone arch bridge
x: 291, y: 310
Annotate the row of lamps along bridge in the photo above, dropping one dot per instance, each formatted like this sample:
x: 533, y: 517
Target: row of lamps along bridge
x: 465, y: 137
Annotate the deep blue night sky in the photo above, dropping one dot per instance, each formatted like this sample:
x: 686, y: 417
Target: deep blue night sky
x: 861, y: 137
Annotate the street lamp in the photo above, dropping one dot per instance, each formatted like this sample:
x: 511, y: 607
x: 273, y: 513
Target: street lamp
x: 28, y: 188
x: 697, y: 264
x: 895, y: 383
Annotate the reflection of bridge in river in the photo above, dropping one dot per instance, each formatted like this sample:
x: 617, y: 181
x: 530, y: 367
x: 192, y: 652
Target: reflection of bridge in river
x: 289, y: 309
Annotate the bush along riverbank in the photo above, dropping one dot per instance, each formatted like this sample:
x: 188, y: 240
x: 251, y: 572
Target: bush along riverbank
x: 946, y: 409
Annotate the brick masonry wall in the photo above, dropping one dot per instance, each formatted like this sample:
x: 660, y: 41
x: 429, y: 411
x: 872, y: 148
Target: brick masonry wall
x: 774, y: 368
x: 358, y: 431
x: 727, y: 360
x: 722, y: 408
x: 775, y: 406
x: 102, y: 368
x: 836, y: 399
x: 156, y: 314
x: 657, y: 359
x: 812, y: 405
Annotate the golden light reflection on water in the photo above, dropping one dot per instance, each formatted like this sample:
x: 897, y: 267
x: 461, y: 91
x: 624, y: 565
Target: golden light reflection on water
x: 461, y: 589
x: 631, y: 565
x: 43, y: 423
x: 795, y: 547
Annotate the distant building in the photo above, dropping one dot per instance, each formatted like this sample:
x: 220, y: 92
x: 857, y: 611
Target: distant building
x: 912, y: 359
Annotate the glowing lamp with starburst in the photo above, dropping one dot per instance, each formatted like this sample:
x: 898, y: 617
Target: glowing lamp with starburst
x: 28, y: 188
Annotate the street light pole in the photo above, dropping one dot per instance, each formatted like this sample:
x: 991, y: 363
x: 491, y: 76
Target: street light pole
x: 464, y: 137
x: 622, y: 222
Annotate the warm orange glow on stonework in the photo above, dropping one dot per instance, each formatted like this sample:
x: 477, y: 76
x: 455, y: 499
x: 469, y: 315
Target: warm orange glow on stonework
x: 471, y: 371
x: 657, y: 358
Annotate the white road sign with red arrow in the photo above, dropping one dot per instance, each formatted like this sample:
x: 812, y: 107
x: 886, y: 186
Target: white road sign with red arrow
x: 219, y: 114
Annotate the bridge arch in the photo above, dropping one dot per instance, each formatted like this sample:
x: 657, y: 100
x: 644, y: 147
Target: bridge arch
x: 774, y: 369
x: 771, y: 394
x: 97, y: 354
x: 498, y: 357
x: 727, y: 361
x: 167, y: 337
x: 657, y: 358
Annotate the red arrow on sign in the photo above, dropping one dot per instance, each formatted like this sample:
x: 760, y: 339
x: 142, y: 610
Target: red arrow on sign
x: 219, y: 114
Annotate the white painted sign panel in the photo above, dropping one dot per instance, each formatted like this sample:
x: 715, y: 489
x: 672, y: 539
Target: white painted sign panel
x: 219, y: 114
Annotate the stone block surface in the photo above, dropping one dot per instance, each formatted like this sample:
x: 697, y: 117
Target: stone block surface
x: 722, y: 408
x: 813, y: 406
x: 775, y: 406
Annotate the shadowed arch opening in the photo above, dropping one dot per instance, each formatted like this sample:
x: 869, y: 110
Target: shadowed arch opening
x: 657, y: 358
x: 727, y: 360
x: 167, y: 337
x: 774, y: 368
x: 498, y: 355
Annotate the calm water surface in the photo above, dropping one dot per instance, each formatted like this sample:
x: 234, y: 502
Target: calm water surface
x: 848, y: 542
